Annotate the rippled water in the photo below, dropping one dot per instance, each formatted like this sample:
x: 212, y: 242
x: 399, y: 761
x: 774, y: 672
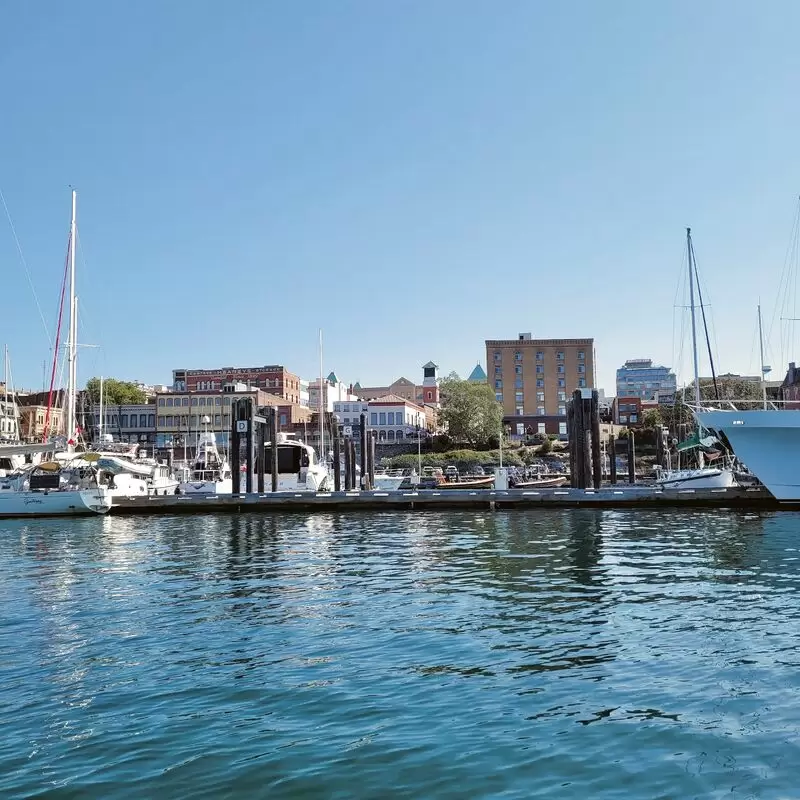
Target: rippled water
x: 547, y: 654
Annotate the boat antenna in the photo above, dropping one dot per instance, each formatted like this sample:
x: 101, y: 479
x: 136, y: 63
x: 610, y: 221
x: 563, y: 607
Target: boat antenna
x: 693, y: 269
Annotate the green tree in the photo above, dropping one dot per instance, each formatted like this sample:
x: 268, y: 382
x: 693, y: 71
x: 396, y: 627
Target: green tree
x: 469, y: 411
x: 546, y: 447
x: 115, y: 393
x: 652, y: 418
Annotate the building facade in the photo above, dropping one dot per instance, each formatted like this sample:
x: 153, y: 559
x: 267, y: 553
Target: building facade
x: 333, y: 390
x: 182, y: 416
x: 274, y: 379
x: 532, y: 379
x: 129, y: 422
x: 627, y: 411
x: 426, y: 393
x: 393, y: 417
x: 641, y: 378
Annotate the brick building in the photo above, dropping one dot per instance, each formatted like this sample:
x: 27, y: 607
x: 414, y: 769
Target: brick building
x: 275, y: 379
x: 532, y: 379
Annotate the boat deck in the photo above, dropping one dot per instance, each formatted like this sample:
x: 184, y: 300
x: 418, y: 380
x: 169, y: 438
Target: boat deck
x: 439, y: 499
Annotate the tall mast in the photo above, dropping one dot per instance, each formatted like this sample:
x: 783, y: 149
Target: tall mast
x: 73, y: 325
x: 100, y: 426
x: 321, y: 424
x: 763, y: 366
x: 694, y: 321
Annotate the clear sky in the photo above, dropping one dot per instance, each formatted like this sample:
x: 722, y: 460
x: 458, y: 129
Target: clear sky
x: 414, y: 177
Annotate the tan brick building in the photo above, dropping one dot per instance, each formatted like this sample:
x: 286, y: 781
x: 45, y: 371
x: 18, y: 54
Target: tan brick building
x: 533, y: 378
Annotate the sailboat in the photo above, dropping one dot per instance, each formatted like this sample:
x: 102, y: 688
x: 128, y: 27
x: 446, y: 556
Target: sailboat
x: 703, y: 477
x: 55, y: 488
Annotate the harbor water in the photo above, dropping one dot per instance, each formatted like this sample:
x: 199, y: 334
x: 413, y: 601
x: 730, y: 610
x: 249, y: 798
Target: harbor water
x: 553, y: 654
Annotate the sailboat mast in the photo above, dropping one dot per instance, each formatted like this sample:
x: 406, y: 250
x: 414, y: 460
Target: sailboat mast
x: 72, y: 344
x: 100, y: 426
x: 695, y: 363
x: 763, y: 367
x: 321, y: 423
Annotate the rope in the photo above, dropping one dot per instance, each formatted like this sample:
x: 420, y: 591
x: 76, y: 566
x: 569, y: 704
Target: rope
x: 58, y: 339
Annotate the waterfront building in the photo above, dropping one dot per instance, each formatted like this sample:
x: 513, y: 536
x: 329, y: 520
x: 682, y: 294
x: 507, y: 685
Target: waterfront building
x: 627, y: 410
x: 641, y: 378
x: 128, y: 422
x: 532, y: 379
x: 333, y: 390
x: 394, y: 418
x: 275, y: 379
x: 426, y: 393
x: 32, y: 409
x: 182, y: 415
x: 9, y: 417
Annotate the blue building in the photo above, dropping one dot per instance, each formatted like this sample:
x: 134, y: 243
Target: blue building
x: 641, y: 378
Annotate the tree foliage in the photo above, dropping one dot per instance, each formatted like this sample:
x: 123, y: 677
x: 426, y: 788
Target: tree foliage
x: 469, y: 411
x: 653, y: 418
x: 115, y: 392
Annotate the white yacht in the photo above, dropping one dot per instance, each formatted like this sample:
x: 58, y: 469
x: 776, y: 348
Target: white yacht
x: 298, y: 467
x: 210, y: 473
x: 133, y: 477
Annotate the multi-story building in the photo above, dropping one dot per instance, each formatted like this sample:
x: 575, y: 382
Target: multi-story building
x: 627, y: 410
x: 425, y: 393
x: 532, y: 379
x: 393, y: 417
x: 182, y: 415
x: 641, y: 378
x: 333, y: 390
x: 274, y: 379
x: 33, y: 416
x: 129, y: 422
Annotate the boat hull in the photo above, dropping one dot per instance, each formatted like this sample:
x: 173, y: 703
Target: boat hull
x: 53, y: 504
x: 697, y: 479
x: 766, y: 441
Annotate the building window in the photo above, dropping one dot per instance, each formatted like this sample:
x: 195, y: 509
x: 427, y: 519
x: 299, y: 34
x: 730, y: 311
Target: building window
x: 430, y: 395
x: 623, y: 419
x: 184, y: 401
x: 540, y: 383
x: 582, y: 383
x: 541, y: 427
x: 562, y: 411
x: 562, y: 396
x: 560, y: 355
x: 497, y: 355
x: 581, y: 368
x: 390, y: 418
x: 194, y: 401
x: 373, y: 418
x: 520, y: 411
x: 142, y: 420
x: 539, y: 355
x: 561, y: 383
x: 226, y: 419
x: 541, y: 411
x: 634, y: 418
x: 400, y: 434
x: 581, y: 355
x: 283, y: 419
x: 346, y: 407
x: 517, y: 356
x: 562, y: 428
x: 498, y: 370
x: 185, y: 420
x: 114, y: 419
x: 217, y: 401
x: 518, y: 369
x: 202, y: 401
x: 381, y: 418
x: 498, y: 396
x: 226, y: 401
x: 518, y: 383
x: 540, y: 368
x: 124, y: 422
x: 170, y: 401
x: 519, y: 397
x: 161, y: 402
x: 498, y: 384
x: 218, y: 419
x: 561, y: 369
x: 540, y: 397
x: 151, y: 420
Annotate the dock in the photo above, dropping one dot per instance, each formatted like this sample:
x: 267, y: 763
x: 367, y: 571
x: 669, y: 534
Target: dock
x: 613, y: 497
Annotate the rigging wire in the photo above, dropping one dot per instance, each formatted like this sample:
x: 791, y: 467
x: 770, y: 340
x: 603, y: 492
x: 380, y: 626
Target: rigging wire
x: 785, y: 309
x: 703, y: 314
x: 25, y: 266
x: 58, y: 337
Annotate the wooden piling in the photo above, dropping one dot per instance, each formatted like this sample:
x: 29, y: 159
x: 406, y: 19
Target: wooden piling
x: 337, y: 462
x: 612, y: 459
x: 364, y: 474
x: 236, y: 473
x: 347, y: 477
x: 371, y: 457
x: 597, y: 455
x: 261, y: 455
x: 353, y: 481
x: 571, y: 438
x: 631, y: 457
x: 273, y: 436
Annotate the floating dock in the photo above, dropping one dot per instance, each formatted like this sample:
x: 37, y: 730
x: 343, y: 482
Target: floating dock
x: 441, y: 499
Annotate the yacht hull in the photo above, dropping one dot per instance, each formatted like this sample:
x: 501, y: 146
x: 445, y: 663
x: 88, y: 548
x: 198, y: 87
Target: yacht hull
x: 697, y: 479
x: 53, y: 504
x: 766, y: 441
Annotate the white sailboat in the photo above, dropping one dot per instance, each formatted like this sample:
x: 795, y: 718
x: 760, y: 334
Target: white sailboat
x: 702, y: 477
x: 210, y: 472
x: 55, y: 488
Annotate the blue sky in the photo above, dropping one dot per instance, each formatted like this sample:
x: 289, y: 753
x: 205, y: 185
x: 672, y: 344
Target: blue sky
x: 414, y: 177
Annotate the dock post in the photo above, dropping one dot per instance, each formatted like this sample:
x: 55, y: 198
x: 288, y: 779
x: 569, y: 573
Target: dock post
x: 612, y: 459
x: 261, y: 455
x: 347, y: 485
x: 337, y: 462
x: 236, y: 473
x: 248, y: 404
x: 580, y: 441
x: 273, y: 449
x: 631, y: 458
x: 571, y: 433
x: 364, y: 474
x: 352, y: 445
x: 371, y: 457
x: 597, y: 456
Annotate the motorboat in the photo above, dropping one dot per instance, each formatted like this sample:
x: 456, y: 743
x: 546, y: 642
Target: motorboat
x: 210, y: 473
x: 299, y: 469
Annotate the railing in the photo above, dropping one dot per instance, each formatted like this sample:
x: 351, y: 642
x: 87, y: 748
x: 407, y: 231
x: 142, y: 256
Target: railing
x: 744, y: 405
